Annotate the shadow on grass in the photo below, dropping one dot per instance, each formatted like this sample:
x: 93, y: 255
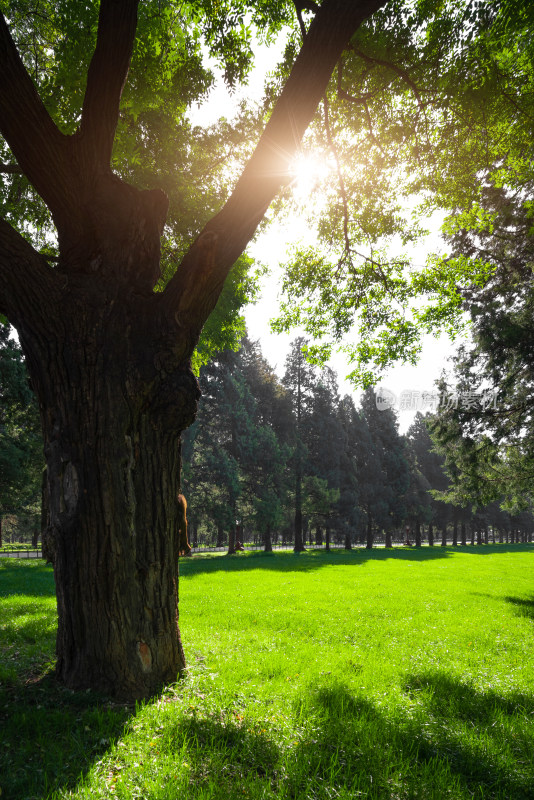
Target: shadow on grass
x: 224, y: 753
x: 50, y: 736
x: 314, y: 559
x: 456, y: 742
x: 453, y: 741
x: 524, y: 606
x: 31, y: 578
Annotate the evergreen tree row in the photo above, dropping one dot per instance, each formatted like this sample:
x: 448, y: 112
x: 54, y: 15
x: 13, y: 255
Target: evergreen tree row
x: 280, y: 462
x: 290, y: 462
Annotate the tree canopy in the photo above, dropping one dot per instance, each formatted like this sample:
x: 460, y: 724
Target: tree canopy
x: 442, y: 111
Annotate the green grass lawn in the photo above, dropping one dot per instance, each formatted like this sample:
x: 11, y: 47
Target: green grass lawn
x: 390, y: 674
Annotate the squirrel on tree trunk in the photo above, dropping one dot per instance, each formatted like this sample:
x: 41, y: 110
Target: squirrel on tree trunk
x: 184, y: 548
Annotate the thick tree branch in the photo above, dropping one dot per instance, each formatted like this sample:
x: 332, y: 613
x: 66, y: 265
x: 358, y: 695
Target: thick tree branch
x: 106, y: 76
x: 28, y: 286
x: 192, y: 293
x: 26, y: 124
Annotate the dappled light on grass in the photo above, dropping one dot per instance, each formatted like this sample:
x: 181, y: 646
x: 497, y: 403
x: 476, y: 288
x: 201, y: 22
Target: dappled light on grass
x: 400, y: 674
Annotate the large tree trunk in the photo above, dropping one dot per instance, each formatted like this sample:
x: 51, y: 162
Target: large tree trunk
x: 112, y: 445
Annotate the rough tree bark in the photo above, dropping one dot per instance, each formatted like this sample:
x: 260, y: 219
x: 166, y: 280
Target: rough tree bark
x: 110, y: 360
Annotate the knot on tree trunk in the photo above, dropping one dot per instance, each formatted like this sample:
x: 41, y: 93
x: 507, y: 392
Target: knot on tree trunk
x: 175, y: 401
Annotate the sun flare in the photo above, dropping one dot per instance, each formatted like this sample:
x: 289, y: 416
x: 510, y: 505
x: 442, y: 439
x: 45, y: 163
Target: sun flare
x: 309, y: 171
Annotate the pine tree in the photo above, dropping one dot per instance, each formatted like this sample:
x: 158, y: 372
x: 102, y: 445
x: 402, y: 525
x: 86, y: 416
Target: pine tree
x: 387, y: 509
x: 300, y: 381
x: 21, y: 460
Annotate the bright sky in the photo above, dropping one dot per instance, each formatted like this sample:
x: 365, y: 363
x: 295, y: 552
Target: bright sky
x: 270, y: 249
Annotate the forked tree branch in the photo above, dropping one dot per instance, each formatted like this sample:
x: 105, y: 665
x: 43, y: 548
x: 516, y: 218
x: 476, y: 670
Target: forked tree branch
x: 193, y: 292
x: 28, y: 286
x: 106, y: 76
x: 25, y: 123
x: 56, y: 164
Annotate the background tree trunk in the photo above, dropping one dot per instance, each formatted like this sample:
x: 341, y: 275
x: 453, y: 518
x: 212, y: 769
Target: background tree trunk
x: 318, y: 536
x: 299, y: 542
x: 232, y: 533
x: 417, y: 533
x: 369, y: 543
x: 220, y: 535
x: 268, y: 545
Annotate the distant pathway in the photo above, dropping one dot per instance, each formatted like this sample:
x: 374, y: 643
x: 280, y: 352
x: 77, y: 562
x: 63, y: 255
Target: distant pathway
x: 21, y: 554
x: 38, y: 553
